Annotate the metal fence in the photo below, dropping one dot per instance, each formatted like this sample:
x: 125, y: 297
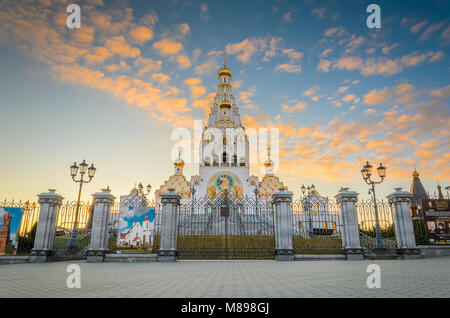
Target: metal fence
x: 317, y: 226
x: 377, y: 232
x: 22, y: 241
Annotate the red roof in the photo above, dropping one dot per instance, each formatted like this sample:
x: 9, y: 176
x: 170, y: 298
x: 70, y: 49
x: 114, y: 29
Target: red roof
x: 136, y: 238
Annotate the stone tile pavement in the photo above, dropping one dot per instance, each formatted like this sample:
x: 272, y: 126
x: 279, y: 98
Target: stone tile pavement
x: 413, y: 278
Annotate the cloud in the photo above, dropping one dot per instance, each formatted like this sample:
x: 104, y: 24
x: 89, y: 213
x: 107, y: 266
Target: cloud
x: 160, y: 78
x: 122, y: 66
x: 140, y: 35
x: 324, y: 66
x: 387, y: 49
x: 197, y: 90
x: 183, y: 61
x: 384, y: 66
x: 354, y: 44
x: 146, y: 65
x: 348, y: 98
x: 417, y: 27
x: 375, y: 97
x: 430, y: 30
x: 445, y: 35
x: 168, y: 47
x: 246, y: 48
x: 338, y: 31
x: 118, y: 45
x: 293, y: 54
x: 296, y: 108
x: 288, y: 68
x: 325, y: 52
x: 441, y: 93
x: 206, y: 68
x: 342, y: 89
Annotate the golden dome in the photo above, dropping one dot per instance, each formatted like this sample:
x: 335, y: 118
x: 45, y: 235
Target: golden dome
x: 268, y: 162
x: 225, y: 71
x: 179, y: 162
x: 225, y: 104
x: 415, y: 174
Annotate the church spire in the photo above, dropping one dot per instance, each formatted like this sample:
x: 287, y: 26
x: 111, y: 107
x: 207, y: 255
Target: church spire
x: 224, y: 112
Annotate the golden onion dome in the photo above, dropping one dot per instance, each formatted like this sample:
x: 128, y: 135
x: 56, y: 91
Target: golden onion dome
x: 179, y: 162
x: 225, y: 71
x: 268, y: 162
x: 415, y: 174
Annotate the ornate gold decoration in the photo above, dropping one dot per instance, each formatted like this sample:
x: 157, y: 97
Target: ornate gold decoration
x: 211, y: 192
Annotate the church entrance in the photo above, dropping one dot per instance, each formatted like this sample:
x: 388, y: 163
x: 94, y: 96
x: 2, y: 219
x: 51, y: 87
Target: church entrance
x: 226, y: 228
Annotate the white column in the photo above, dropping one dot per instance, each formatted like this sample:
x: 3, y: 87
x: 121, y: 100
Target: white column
x: 99, y: 235
x: 43, y: 248
x: 169, y: 226
x: 404, y: 231
x: 282, y: 213
x: 349, y: 219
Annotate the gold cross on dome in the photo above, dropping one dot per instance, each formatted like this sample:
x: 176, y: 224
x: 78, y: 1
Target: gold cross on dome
x: 225, y: 58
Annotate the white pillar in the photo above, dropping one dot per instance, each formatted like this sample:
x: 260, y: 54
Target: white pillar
x: 349, y: 219
x: 169, y: 226
x: 44, y: 240
x: 404, y: 231
x: 282, y: 213
x: 99, y: 234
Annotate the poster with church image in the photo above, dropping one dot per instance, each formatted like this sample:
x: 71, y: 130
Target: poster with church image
x: 136, y: 227
x: 437, y: 220
x: 10, y: 219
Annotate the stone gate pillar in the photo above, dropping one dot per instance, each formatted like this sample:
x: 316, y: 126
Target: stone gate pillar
x: 45, y: 232
x: 99, y: 234
x: 282, y: 213
x: 169, y: 226
x: 404, y: 230
x: 349, y: 219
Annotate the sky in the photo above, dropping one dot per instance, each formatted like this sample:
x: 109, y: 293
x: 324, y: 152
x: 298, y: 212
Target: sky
x: 112, y: 91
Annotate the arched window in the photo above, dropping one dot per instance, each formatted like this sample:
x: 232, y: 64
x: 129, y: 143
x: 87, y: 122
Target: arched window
x: 224, y: 157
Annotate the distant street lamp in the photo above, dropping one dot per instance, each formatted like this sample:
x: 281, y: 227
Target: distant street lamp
x: 367, y: 173
x: 307, y: 192
x: 83, y: 167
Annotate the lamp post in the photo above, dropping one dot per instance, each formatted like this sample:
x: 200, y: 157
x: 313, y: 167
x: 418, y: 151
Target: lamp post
x: 367, y: 173
x: 83, y: 167
x: 307, y: 192
x: 141, y: 192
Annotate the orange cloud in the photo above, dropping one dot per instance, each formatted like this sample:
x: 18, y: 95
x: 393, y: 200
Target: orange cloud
x: 168, y: 47
x: 140, y: 35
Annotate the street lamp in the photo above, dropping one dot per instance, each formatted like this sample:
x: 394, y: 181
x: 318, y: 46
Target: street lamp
x: 367, y: 173
x: 307, y: 192
x: 82, y: 168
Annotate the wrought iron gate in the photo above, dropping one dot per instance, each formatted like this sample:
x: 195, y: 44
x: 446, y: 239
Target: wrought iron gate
x: 376, y: 230
x: 225, y: 228
x: 317, y: 226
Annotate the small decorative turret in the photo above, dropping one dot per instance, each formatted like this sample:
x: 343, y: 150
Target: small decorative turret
x: 269, y: 163
x: 179, y: 164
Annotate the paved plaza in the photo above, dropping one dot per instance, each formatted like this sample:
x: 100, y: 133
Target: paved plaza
x: 412, y: 278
